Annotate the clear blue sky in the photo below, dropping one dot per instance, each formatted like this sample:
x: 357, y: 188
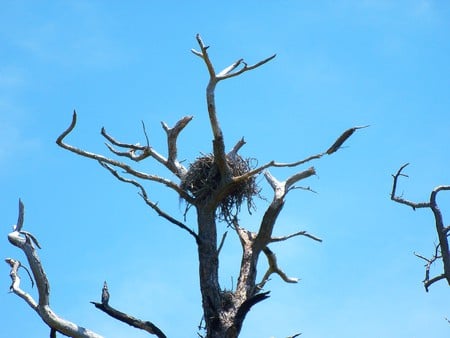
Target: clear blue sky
x: 339, y: 64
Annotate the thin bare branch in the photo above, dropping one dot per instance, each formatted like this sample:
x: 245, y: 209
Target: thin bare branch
x: 15, y: 285
x: 226, y: 73
x: 236, y: 148
x: 300, y: 233
x: 251, y: 173
x: 400, y: 199
x: 295, y: 164
x: 124, y: 166
x: 230, y: 68
x: 222, y: 241
x: 428, y: 283
x: 154, y: 206
x: 441, y: 230
x: 125, y: 318
x: 204, y: 55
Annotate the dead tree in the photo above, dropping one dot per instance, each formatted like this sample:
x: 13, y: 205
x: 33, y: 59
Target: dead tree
x: 441, y: 249
x: 215, y: 185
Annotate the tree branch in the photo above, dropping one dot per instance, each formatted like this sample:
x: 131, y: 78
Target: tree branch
x: 333, y: 148
x: 400, y: 199
x: 273, y: 268
x: 441, y: 230
x: 172, y: 135
x: 151, y: 204
x: 41, y: 307
x: 126, y: 167
x: 245, y: 308
x: 125, y: 318
x: 228, y: 72
x: 300, y: 233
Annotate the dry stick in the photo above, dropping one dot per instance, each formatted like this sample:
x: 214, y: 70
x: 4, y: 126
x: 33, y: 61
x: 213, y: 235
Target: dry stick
x: 123, y: 317
x: 300, y: 233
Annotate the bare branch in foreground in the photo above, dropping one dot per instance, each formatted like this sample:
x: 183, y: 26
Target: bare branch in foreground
x: 123, y: 317
x: 41, y: 307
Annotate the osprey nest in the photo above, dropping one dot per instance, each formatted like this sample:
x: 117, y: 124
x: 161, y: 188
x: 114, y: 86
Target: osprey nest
x: 203, y: 179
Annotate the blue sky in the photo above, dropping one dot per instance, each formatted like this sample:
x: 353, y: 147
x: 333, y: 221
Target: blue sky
x: 339, y: 64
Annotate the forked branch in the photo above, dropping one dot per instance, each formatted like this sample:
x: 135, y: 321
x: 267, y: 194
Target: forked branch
x: 441, y: 249
x: 235, y: 69
x: 128, y: 169
x: 273, y: 268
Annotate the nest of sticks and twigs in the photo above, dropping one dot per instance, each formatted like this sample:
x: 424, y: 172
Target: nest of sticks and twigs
x: 203, y: 178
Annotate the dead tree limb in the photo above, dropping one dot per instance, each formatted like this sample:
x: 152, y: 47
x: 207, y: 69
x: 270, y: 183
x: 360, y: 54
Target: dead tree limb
x: 125, y: 318
x: 153, y: 205
x: 23, y: 241
x: 442, y: 248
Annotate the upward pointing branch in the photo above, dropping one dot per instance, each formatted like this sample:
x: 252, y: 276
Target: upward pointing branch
x: 234, y: 69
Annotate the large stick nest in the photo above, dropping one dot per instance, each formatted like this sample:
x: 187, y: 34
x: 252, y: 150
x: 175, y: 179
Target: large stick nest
x: 203, y: 178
